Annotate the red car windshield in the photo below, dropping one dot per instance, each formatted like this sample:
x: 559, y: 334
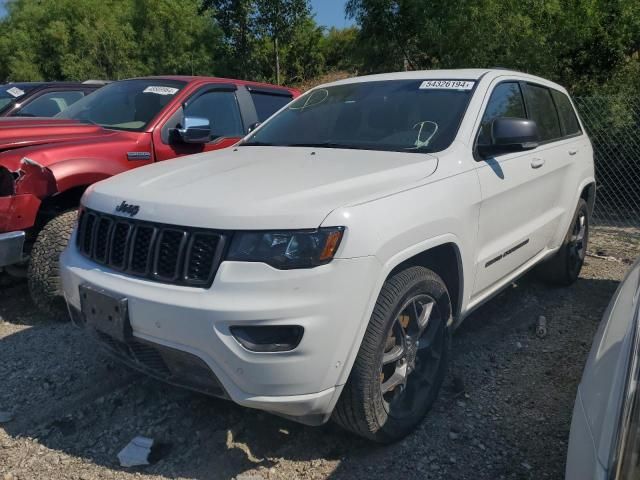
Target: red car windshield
x: 125, y: 105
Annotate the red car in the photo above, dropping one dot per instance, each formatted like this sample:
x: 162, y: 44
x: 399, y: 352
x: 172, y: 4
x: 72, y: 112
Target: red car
x: 47, y: 163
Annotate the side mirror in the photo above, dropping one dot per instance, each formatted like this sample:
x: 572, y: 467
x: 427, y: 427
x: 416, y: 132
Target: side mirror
x: 195, y: 130
x: 253, y: 126
x: 510, y: 135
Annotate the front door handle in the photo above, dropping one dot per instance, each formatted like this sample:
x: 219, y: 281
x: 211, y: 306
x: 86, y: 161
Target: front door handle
x: 537, y: 162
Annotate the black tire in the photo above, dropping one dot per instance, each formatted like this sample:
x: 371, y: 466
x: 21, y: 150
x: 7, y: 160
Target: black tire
x: 363, y: 408
x: 44, y: 273
x: 564, y: 267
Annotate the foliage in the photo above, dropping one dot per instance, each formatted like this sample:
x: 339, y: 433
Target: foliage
x: 587, y: 45
x: 580, y: 43
x: 249, y: 24
x: 79, y: 39
x: 236, y: 19
x: 340, y: 49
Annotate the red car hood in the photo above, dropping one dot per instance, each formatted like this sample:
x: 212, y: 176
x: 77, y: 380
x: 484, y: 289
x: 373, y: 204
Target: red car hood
x: 27, y: 132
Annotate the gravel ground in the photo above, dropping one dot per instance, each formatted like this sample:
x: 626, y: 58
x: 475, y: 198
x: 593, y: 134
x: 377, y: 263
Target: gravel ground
x: 504, y: 412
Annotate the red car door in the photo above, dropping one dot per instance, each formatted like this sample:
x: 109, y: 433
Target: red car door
x: 216, y: 102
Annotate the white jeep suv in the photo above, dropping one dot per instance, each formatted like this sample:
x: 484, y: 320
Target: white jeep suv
x: 318, y: 268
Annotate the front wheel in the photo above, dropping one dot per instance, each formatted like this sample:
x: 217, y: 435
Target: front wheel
x: 402, y: 359
x: 564, y: 267
x: 44, y: 273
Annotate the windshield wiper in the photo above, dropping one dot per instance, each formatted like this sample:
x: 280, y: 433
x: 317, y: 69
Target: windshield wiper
x: 258, y: 144
x: 327, y: 145
x: 421, y: 149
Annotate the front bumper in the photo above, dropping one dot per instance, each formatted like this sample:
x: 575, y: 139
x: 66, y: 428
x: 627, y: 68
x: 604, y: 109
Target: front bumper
x: 11, y: 248
x: 330, y: 302
x: 18, y: 212
x: 164, y: 363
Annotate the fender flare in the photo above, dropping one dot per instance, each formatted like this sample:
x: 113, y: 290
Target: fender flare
x: 82, y: 171
x: 387, y: 267
x: 585, y: 183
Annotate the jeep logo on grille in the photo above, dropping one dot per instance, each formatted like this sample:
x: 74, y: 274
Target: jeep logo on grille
x: 127, y: 208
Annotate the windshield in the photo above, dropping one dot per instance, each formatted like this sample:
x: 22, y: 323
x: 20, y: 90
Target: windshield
x: 125, y: 105
x: 11, y: 92
x: 398, y: 115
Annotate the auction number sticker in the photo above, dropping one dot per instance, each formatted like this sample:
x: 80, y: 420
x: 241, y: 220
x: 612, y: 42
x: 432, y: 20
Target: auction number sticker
x: 160, y: 90
x: 447, y: 85
x: 15, y: 91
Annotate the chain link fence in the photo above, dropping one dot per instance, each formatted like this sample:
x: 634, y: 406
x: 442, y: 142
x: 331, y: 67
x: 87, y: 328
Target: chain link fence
x: 613, y: 124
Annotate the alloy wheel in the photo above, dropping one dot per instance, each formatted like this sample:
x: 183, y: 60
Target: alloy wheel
x: 577, y: 242
x: 412, y: 355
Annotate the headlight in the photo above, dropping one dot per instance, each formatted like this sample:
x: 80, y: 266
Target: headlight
x: 288, y: 248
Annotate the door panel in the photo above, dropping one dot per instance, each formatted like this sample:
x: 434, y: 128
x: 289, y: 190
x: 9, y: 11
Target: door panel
x: 514, y: 225
x: 515, y: 222
x: 222, y: 110
x: 526, y: 196
x: 555, y: 175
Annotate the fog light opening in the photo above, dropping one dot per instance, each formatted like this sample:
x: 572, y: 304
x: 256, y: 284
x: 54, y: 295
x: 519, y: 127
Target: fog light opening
x: 268, y: 338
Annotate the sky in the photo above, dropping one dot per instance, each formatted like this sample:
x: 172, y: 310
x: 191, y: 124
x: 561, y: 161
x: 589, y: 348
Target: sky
x: 329, y: 13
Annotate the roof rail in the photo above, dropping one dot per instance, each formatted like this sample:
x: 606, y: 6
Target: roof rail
x: 96, y: 82
x: 509, y: 69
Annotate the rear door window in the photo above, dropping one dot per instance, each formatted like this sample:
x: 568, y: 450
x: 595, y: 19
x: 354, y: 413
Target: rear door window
x: 268, y: 104
x: 568, y: 117
x: 505, y: 101
x: 542, y: 110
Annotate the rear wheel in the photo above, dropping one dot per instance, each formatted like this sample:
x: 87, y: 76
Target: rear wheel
x: 44, y: 273
x: 402, y: 360
x: 564, y: 267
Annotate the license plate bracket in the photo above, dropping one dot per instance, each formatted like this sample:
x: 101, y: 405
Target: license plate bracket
x: 106, y: 312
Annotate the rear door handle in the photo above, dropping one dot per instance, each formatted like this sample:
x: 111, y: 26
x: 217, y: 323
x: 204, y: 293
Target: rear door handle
x: 573, y: 152
x: 537, y: 162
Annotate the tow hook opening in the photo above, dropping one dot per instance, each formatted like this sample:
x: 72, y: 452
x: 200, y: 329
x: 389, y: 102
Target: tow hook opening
x: 268, y: 338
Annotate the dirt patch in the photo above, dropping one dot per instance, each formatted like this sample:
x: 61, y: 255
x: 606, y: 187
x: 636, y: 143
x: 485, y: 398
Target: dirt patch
x: 504, y: 412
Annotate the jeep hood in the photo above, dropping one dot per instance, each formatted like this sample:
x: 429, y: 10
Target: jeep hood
x: 248, y: 188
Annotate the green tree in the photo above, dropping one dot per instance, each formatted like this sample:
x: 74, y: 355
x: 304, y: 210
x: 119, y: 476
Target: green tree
x: 303, y: 55
x: 279, y: 20
x: 580, y: 43
x: 67, y: 39
x: 114, y: 39
x: 236, y: 19
x: 248, y: 26
x: 175, y: 38
x: 340, y: 50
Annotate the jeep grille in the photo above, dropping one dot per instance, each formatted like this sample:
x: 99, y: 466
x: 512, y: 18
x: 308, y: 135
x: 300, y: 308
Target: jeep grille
x: 159, y: 252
